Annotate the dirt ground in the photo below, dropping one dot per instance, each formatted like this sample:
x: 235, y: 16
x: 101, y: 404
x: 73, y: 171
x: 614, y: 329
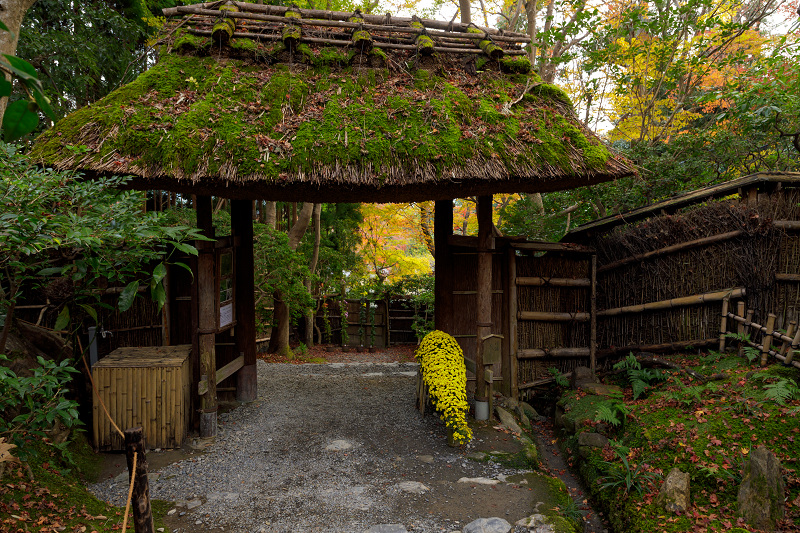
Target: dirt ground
x: 272, y: 463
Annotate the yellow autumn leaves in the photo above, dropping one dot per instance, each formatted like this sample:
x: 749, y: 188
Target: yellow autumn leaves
x: 442, y: 365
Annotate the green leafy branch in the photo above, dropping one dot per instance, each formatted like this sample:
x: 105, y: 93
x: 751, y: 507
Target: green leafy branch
x: 22, y: 116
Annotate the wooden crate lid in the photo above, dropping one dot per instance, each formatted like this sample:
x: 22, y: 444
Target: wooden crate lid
x: 146, y: 357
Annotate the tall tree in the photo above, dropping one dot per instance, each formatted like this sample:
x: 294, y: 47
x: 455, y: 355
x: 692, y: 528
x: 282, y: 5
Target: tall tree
x: 279, y: 338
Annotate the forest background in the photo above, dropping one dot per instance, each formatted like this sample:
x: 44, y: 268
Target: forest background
x: 694, y: 91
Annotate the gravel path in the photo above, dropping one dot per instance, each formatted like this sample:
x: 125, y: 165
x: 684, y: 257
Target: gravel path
x: 327, y: 448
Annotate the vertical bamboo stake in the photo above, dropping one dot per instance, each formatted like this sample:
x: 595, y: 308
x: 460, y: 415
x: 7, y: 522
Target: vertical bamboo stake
x: 766, y: 340
x: 723, y: 327
x: 789, y: 333
x: 748, y: 322
x: 740, y: 310
x: 794, y: 346
x: 593, y: 317
x: 140, y: 501
x: 112, y: 406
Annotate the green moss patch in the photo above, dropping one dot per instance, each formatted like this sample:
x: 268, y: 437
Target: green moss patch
x: 705, y: 428
x: 191, y: 117
x: 56, y: 498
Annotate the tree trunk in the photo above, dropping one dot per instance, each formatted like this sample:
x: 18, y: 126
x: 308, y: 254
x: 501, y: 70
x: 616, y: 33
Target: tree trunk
x: 279, y: 337
x: 464, y: 7
x: 315, y: 217
x: 270, y: 214
x: 13, y: 13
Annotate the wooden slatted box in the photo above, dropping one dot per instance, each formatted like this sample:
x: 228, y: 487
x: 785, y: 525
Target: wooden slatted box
x: 143, y: 386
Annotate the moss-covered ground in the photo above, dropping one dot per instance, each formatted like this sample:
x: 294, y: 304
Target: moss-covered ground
x: 52, y: 496
x: 704, y: 427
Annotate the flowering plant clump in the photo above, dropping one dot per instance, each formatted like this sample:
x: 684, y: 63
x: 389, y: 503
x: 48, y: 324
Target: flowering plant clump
x: 443, y: 372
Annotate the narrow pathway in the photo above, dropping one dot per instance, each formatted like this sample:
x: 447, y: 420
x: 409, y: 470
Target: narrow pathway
x: 553, y: 461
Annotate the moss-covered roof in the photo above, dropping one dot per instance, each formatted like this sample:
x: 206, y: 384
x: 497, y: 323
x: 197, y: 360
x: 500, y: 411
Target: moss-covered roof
x: 255, y: 119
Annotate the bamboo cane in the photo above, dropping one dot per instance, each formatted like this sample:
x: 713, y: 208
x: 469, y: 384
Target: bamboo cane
x: 766, y: 340
x: 723, y: 327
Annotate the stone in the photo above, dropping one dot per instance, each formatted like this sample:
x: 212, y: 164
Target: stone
x: 523, y: 418
x: 478, y: 480
x: 387, y: 528
x: 600, y: 389
x: 529, y: 411
x: 507, y: 419
x: 172, y: 511
x: 476, y: 456
x: 122, y: 478
x: 592, y: 439
x: 674, y: 493
x: 413, y: 487
x: 152, y: 477
x: 428, y: 459
x: 533, y: 520
x: 581, y: 375
x: 338, y: 446
x: 762, y: 492
x: 511, y: 403
x: 488, y: 525
x: 192, y: 504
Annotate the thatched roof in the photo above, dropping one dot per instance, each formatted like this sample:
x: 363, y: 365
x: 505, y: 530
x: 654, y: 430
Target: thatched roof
x: 283, y: 111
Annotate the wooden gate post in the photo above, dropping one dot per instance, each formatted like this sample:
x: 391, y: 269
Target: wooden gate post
x: 207, y: 320
x: 242, y: 225
x: 140, y: 499
x: 443, y: 265
x: 484, y: 290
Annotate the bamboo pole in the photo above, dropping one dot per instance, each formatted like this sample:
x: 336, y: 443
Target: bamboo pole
x: 538, y: 353
x: 676, y: 302
x: 766, y: 340
x: 790, y: 331
x: 740, y: 310
x: 593, y: 315
x: 786, y: 276
x: 761, y: 329
x: 672, y: 249
x: 791, y: 225
x: 537, y: 281
x: 546, y: 316
x: 723, y: 327
x: 748, y: 321
x: 795, y: 345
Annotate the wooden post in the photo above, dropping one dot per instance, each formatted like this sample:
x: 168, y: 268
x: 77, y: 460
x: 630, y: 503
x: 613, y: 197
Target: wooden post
x: 766, y: 340
x: 140, y: 500
x: 740, y: 310
x: 748, y: 321
x: 794, y: 346
x: 484, y: 289
x: 207, y: 320
x: 443, y: 282
x: 244, y: 298
x: 593, y: 315
x: 513, y: 341
x: 723, y: 326
x: 790, y: 331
